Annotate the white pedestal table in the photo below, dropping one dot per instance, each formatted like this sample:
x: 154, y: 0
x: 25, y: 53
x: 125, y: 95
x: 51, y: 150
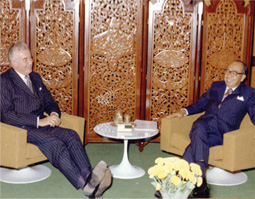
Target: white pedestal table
x: 124, y: 170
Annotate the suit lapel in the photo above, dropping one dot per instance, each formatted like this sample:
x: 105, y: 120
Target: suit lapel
x: 237, y: 91
x: 36, y: 86
x: 221, y: 92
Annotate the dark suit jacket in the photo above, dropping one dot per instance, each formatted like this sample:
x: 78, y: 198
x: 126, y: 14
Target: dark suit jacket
x: 19, y: 106
x: 232, y: 110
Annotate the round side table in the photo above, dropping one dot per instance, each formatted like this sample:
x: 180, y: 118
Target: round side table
x: 124, y: 170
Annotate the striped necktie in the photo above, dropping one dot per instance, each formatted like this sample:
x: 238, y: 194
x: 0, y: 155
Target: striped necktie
x: 29, y: 83
x: 229, y: 91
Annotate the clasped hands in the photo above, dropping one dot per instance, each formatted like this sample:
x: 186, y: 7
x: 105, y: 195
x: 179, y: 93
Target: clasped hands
x: 51, y: 120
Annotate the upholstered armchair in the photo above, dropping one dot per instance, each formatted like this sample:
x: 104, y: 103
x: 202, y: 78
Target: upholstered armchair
x: 237, y: 152
x: 16, y: 153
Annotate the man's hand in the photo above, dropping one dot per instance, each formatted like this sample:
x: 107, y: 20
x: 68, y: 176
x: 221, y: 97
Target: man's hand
x: 52, y: 120
x: 178, y: 114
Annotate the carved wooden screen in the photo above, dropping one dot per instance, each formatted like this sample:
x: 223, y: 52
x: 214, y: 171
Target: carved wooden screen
x: 171, y: 57
x: 227, y: 37
x: 12, y: 28
x: 112, y: 61
x: 54, y: 45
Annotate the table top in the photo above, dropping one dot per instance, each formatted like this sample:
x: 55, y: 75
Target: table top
x: 110, y: 131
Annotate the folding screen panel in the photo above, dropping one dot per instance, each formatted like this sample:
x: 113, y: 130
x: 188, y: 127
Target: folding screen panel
x: 54, y: 45
x: 227, y: 37
x: 171, y: 57
x: 112, y: 61
x: 12, y: 28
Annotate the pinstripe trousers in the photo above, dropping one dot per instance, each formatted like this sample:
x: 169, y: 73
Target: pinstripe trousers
x: 64, y: 150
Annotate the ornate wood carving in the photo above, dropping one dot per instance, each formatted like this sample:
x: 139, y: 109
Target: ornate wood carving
x: 12, y: 23
x: 171, y: 55
x: 113, y: 49
x: 54, y: 46
x: 225, y: 39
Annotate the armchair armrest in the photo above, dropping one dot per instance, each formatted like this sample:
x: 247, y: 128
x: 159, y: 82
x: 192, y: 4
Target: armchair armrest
x: 75, y: 123
x: 174, y: 133
x: 239, y: 149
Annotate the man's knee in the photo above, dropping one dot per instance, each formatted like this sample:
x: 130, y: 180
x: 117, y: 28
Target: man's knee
x: 74, y: 135
x: 199, y: 131
x: 69, y: 134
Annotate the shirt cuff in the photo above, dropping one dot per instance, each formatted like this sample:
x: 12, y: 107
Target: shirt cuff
x: 37, y: 124
x: 187, y: 113
x: 55, y: 113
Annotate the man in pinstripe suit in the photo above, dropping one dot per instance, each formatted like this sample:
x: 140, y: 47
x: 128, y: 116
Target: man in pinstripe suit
x: 225, y: 105
x: 24, y: 99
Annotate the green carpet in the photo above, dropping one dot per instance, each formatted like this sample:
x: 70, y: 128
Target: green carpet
x: 56, y: 186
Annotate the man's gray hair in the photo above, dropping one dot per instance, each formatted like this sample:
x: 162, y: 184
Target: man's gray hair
x: 12, y: 50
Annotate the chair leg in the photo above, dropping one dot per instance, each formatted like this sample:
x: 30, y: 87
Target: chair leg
x: 221, y: 177
x: 24, y: 175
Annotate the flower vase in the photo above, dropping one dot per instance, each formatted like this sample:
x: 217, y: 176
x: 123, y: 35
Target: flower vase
x: 184, y: 195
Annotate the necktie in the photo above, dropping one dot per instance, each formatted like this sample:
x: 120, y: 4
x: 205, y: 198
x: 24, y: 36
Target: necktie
x: 29, y: 83
x: 229, y: 91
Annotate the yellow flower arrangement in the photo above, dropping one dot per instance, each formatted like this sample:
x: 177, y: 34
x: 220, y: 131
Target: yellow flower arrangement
x: 174, y: 175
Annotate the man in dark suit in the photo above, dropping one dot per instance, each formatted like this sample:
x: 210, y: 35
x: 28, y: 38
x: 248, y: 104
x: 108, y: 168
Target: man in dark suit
x: 225, y: 105
x: 24, y: 99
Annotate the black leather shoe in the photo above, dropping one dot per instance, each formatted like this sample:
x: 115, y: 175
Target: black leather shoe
x: 202, y: 192
x: 157, y: 194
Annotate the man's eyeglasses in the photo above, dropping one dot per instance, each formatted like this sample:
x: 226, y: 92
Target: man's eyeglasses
x: 233, y: 73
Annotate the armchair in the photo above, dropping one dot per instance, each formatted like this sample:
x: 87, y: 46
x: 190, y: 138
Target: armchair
x: 17, y: 154
x: 237, y: 152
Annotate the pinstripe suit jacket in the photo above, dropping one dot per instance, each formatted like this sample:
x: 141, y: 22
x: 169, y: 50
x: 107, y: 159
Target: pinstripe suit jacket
x: 19, y: 106
x: 232, y: 110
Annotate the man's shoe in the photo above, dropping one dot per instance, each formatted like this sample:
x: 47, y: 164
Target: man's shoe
x: 106, y: 182
x: 157, y: 194
x: 96, y: 177
x: 202, y: 192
